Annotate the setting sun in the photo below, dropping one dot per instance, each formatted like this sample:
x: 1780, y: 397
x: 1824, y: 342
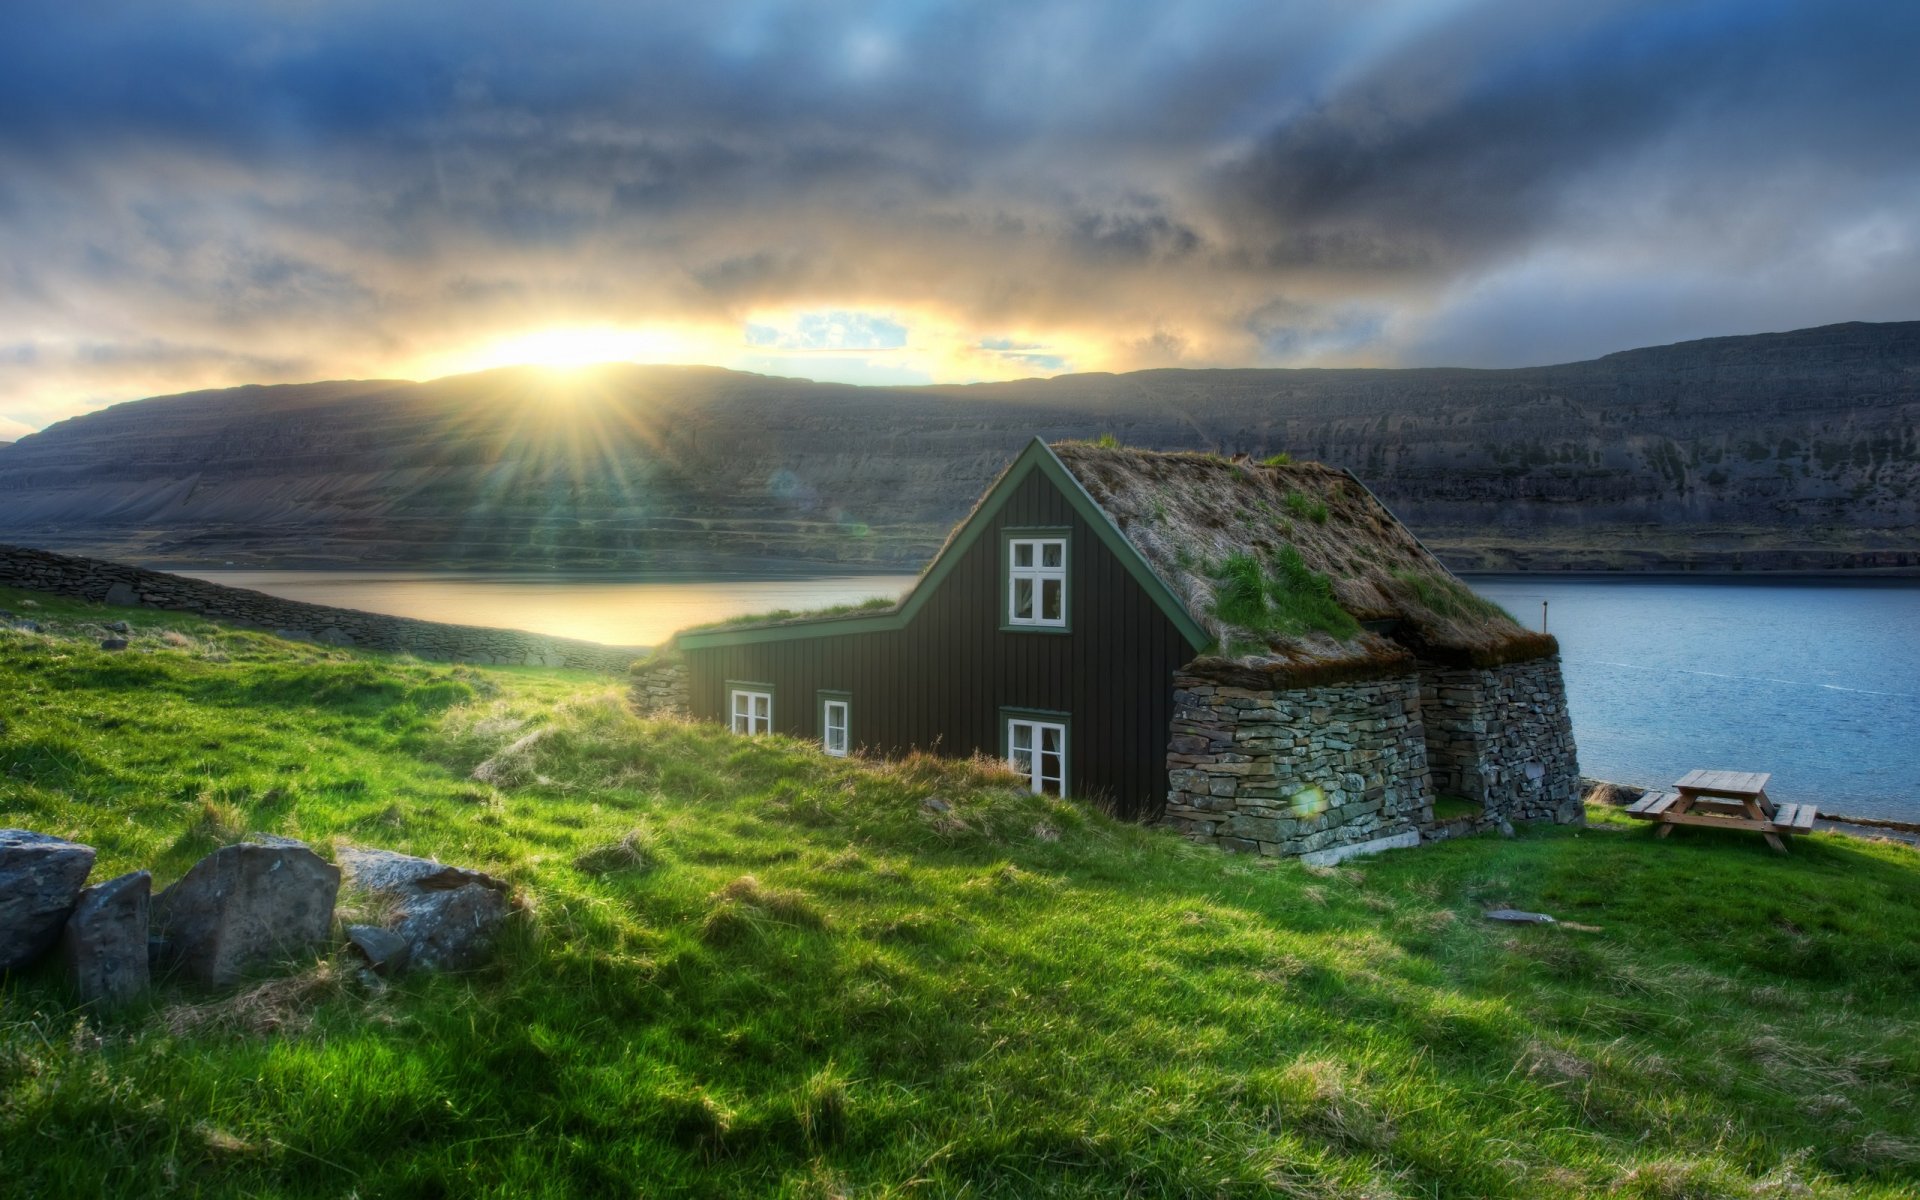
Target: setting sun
x: 570, y: 346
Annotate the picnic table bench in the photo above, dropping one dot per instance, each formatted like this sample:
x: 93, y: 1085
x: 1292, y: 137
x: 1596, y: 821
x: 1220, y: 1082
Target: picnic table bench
x: 1725, y: 800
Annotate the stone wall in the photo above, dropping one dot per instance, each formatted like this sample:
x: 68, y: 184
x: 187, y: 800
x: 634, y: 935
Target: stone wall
x: 1317, y: 771
x: 1501, y: 737
x: 112, y: 583
x: 660, y: 688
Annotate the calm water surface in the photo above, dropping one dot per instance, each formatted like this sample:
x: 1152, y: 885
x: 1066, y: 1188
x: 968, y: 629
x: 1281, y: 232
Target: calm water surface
x: 618, y: 612
x: 1818, y: 683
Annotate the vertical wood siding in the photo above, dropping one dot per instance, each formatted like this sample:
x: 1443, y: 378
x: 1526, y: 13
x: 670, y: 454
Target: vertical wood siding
x: 939, y: 683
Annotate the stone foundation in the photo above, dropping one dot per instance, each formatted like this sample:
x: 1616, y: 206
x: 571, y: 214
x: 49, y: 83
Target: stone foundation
x: 1501, y: 737
x: 114, y: 583
x: 1303, y: 771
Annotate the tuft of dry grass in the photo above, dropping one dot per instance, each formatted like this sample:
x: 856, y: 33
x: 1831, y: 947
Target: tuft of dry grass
x: 633, y: 852
x: 274, y: 1007
x: 1327, y: 1098
x: 745, y: 907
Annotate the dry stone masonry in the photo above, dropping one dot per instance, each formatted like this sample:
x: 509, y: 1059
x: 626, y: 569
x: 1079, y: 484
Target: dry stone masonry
x: 660, y: 688
x: 1501, y: 738
x: 1314, y: 771
x: 116, y: 584
x: 1327, y: 771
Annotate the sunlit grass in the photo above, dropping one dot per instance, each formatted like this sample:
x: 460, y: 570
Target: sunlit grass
x: 748, y: 969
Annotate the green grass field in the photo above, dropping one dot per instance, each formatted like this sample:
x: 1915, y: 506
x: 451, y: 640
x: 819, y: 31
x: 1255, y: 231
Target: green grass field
x: 747, y: 969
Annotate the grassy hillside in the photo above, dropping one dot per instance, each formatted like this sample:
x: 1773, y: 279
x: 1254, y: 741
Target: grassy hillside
x: 747, y: 969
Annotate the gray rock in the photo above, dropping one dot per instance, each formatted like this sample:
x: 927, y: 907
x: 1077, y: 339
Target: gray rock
x: 1514, y: 916
x: 122, y: 595
x: 384, y: 950
x: 106, y: 940
x: 936, y: 805
x: 244, y: 906
x: 40, y: 878
x: 447, y: 916
x: 113, y: 643
x: 118, y: 627
x: 1506, y: 828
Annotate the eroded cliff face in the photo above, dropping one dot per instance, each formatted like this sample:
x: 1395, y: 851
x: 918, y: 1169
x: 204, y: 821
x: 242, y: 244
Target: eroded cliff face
x: 1782, y: 451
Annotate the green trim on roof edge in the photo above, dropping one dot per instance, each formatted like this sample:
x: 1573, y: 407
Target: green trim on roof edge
x: 1037, y: 456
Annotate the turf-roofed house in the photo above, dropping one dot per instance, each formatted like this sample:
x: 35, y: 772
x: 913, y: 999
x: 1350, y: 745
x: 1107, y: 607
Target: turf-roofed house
x: 1256, y: 653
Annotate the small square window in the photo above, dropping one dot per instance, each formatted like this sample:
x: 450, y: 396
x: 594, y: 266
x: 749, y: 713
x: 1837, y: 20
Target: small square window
x: 1038, y: 750
x: 752, y: 711
x: 1037, y: 581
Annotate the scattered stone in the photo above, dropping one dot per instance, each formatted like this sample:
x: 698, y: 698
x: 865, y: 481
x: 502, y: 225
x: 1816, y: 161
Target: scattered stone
x: 40, y: 878
x: 447, y: 916
x: 113, y: 643
x: 384, y: 950
x: 1046, y: 832
x: 122, y: 595
x: 1506, y: 828
x: 106, y: 940
x: 936, y: 805
x: 246, y: 905
x: 28, y: 626
x: 118, y: 627
x: 1613, y: 795
x: 1514, y: 916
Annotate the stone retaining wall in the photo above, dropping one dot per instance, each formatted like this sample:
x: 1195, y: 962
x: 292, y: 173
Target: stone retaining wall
x: 113, y: 583
x: 1316, y: 771
x: 660, y: 689
x: 1501, y: 737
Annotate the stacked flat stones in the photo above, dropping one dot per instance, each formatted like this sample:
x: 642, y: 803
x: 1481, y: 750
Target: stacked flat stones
x: 1303, y: 771
x: 1323, y: 772
x: 112, y: 583
x: 1502, y: 736
x: 239, y: 909
x: 660, y: 689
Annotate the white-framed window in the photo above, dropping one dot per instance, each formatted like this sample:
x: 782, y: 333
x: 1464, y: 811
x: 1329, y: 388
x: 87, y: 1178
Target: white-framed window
x: 752, y: 711
x: 1038, y: 750
x: 835, y: 719
x: 1037, y: 581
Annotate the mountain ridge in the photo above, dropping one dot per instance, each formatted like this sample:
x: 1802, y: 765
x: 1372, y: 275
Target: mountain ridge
x: 1784, y: 451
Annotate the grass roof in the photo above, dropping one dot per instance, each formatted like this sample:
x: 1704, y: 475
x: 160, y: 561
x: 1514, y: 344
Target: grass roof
x: 1293, y: 567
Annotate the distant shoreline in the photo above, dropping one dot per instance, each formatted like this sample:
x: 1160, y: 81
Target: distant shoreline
x: 793, y: 569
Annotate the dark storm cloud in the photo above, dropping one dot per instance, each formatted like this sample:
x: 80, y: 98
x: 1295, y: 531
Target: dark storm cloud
x: 1457, y: 150
x: 301, y: 182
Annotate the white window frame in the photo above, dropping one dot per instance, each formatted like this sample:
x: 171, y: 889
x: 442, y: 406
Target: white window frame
x: 1037, y: 574
x: 844, y: 728
x: 1035, y: 732
x: 745, y: 716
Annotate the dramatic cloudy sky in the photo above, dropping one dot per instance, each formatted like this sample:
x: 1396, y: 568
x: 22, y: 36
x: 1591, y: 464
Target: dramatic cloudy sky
x: 201, y: 192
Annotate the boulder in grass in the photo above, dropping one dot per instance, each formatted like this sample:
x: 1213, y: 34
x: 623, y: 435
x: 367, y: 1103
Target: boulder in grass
x: 40, y: 878
x: 106, y: 940
x: 448, y: 916
x: 384, y: 950
x: 244, y: 906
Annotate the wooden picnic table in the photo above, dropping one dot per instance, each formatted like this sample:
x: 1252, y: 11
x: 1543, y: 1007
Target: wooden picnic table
x: 1725, y: 800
